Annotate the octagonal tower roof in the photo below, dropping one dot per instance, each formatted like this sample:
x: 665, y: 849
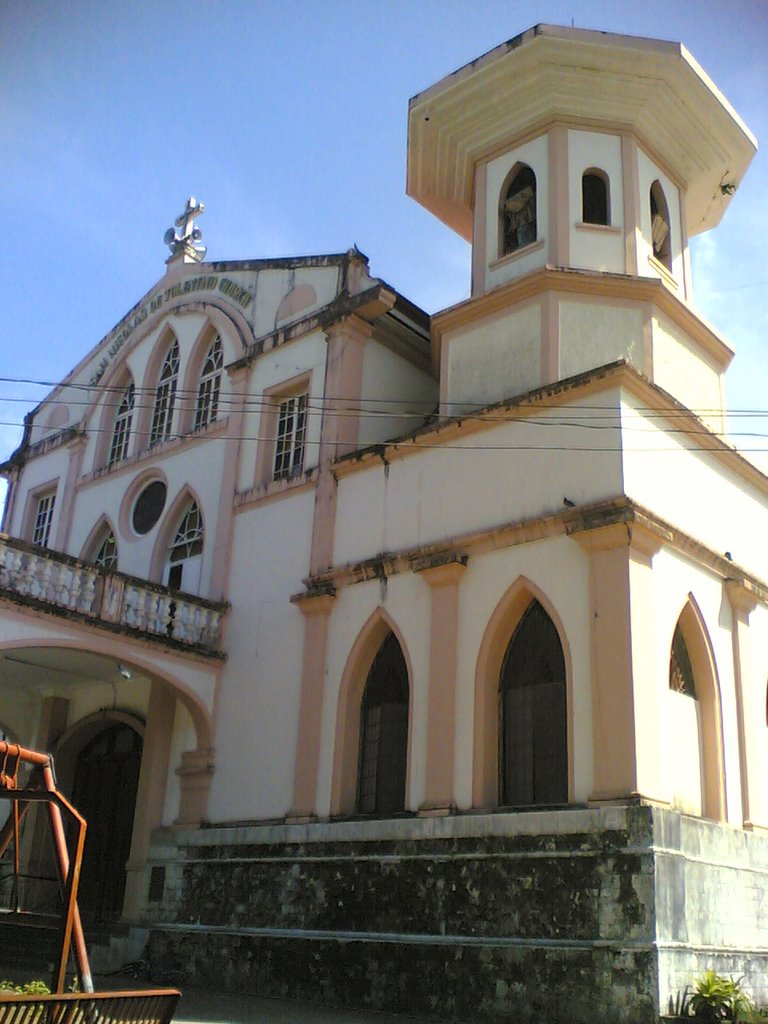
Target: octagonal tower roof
x: 593, y: 79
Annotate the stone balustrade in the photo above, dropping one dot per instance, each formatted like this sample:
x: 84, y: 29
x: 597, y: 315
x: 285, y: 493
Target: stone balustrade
x: 72, y: 586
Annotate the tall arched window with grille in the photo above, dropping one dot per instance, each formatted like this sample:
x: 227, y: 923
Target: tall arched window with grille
x: 533, y: 748
x: 165, y: 396
x: 121, y: 431
x: 384, y: 733
x: 209, y: 388
x: 185, y: 554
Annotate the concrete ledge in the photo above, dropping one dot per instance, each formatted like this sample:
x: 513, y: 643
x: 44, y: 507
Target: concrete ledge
x: 569, y: 820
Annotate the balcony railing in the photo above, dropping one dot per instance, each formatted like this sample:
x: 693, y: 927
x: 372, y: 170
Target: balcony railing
x: 64, y: 583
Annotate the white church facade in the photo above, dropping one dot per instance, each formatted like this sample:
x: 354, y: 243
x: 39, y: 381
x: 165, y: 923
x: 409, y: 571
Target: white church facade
x: 421, y: 662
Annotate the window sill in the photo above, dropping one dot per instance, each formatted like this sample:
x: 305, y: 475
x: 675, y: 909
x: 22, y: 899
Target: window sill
x: 611, y: 229
x: 216, y: 428
x: 518, y: 254
x: 664, y: 272
x: 273, y: 490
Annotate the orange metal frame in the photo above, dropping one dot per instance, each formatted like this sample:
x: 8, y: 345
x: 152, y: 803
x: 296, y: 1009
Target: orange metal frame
x: 12, y: 757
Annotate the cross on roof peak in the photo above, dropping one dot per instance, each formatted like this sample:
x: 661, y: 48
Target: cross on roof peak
x: 185, y: 241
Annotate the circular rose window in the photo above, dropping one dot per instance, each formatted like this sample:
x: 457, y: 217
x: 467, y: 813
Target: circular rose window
x: 149, y: 506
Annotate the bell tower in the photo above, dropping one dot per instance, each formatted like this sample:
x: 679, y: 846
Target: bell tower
x: 577, y: 164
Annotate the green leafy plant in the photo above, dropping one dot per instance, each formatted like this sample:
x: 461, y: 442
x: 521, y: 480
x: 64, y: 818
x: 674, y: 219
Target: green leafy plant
x: 716, y: 998
x: 29, y: 988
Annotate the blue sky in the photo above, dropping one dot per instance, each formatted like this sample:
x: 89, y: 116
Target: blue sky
x: 288, y: 119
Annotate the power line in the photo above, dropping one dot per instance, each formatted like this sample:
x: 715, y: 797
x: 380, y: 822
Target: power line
x: 409, y: 408
x: 413, y: 442
x: 230, y: 396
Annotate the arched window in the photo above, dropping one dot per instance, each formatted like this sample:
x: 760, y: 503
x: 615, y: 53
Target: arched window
x: 680, y: 670
x: 121, y: 432
x: 595, y: 198
x: 384, y: 733
x: 660, y: 232
x: 694, y: 756
x: 186, y: 551
x: 165, y: 396
x: 106, y: 552
x: 210, y: 385
x: 533, y: 754
x: 518, y: 210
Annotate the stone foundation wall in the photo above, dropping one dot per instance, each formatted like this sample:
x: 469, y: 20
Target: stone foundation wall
x: 711, y: 885
x: 578, y: 915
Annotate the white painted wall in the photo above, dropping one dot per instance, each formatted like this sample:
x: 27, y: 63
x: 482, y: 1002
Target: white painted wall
x: 692, y: 489
x: 392, y: 388
x: 272, y: 285
x: 257, y: 708
x: 682, y: 747
x: 48, y: 471
x: 593, y: 247
x: 687, y: 372
x: 595, y: 333
x: 755, y: 688
x: 478, y: 481
x: 125, y: 695
x: 496, y: 359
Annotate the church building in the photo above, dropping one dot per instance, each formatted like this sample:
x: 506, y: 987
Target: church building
x: 420, y: 662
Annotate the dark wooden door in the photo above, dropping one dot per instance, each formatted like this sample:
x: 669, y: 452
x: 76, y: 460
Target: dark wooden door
x: 104, y: 791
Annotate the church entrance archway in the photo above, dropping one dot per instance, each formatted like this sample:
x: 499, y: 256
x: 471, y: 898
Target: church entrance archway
x: 105, y: 783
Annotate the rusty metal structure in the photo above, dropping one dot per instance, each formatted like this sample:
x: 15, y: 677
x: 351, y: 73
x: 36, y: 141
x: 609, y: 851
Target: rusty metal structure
x: 28, y: 777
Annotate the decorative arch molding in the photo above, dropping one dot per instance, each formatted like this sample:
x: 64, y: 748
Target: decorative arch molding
x: 353, y: 680
x: 228, y: 322
x: 100, y: 527
x: 79, y: 734
x: 168, y: 525
x: 707, y: 684
x: 302, y: 297
x: 201, y: 716
x: 493, y: 647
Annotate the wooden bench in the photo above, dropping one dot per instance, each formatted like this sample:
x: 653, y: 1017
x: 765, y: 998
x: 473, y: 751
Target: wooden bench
x: 151, y: 1006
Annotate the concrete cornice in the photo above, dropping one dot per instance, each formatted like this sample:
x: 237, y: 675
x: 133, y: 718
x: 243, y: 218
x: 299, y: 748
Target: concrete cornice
x: 619, y: 519
x: 619, y: 374
x: 620, y: 287
x: 550, y: 73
